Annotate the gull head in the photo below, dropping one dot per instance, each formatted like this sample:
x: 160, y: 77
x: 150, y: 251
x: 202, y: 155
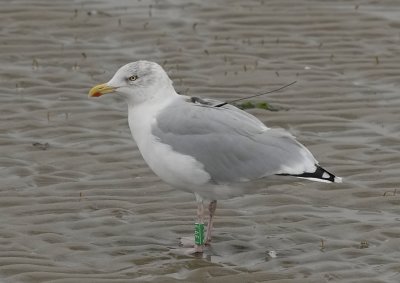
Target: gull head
x: 137, y: 82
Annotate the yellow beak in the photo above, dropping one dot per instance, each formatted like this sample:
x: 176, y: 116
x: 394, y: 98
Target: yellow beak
x: 99, y: 90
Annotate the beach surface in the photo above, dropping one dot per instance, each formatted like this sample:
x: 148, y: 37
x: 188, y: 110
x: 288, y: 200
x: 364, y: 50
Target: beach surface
x: 77, y: 201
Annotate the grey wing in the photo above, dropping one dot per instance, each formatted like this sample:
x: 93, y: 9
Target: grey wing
x: 250, y: 120
x: 232, y: 145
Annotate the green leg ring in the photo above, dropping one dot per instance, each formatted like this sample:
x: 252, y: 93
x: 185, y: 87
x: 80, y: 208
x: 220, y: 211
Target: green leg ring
x: 199, y: 234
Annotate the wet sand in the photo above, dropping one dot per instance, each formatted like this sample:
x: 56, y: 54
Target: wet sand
x: 78, y: 203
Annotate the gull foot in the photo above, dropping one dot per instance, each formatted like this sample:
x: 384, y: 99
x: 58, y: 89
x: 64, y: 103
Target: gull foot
x: 186, y: 242
x: 196, y: 250
x: 190, y: 248
x: 193, y: 251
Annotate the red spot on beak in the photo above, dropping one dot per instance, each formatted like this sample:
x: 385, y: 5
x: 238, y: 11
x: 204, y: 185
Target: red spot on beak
x: 97, y: 94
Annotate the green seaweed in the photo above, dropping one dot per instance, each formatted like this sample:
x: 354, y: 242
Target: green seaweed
x: 245, y: 105
x: 263, y: 105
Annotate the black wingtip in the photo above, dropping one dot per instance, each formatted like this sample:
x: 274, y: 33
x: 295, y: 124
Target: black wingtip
x: 319, y: 174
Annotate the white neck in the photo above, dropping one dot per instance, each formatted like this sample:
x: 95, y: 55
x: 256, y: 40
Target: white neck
x: 141, y: 116
x: 151, y: 95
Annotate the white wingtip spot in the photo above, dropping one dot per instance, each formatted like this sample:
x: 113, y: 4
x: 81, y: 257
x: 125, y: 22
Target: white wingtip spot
x: 325, y: 175
x: 338, y: 180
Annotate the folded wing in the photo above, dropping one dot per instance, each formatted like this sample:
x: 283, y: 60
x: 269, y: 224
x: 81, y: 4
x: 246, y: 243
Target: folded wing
x: 232, y: 145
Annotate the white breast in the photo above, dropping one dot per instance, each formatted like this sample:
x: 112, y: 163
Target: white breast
x: 179, y: 170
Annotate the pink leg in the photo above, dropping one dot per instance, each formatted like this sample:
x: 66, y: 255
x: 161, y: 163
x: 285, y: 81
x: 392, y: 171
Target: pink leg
x: 211, y: 209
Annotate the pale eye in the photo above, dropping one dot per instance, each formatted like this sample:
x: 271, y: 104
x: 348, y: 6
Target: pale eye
x: 132, y: 78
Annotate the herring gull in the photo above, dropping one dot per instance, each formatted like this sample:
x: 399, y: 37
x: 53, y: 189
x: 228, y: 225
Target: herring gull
x: 202, y: 145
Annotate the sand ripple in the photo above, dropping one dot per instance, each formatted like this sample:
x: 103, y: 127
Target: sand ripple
x: 77, y: 202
